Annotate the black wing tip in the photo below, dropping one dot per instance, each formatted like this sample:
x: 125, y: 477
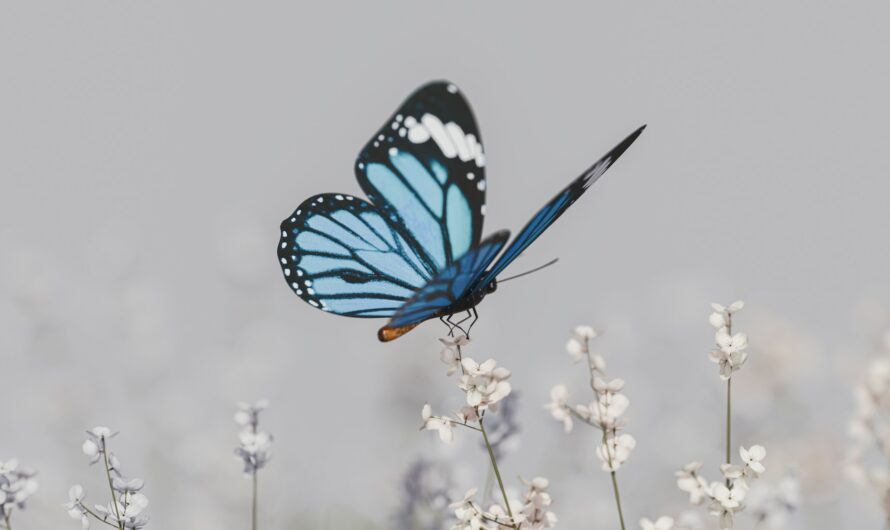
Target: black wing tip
x: 619, y: 149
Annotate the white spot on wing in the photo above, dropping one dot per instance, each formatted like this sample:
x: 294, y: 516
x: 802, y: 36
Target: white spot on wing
x: 439, y: 135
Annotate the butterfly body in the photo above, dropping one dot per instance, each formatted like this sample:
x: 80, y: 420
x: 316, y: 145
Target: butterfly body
x: 414, y: 251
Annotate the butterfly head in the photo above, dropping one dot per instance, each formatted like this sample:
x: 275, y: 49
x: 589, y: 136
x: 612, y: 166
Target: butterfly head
x: 491, y: 287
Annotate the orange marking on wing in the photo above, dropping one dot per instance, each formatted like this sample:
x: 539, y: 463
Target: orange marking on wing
x: 387, y: 334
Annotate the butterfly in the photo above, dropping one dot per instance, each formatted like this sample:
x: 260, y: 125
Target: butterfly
x: 414, y: 250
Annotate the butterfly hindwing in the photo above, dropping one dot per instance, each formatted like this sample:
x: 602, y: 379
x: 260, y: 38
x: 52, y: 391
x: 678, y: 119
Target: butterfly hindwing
x: 447, y: 287
x: 340, y: 254
x: 425, y: 170
x: 559, y: 204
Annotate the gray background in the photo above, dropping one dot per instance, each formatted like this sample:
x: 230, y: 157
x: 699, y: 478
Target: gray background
x: 149, y: 150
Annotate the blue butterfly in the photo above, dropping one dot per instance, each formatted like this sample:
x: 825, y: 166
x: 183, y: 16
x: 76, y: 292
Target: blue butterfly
x: 415, y: 251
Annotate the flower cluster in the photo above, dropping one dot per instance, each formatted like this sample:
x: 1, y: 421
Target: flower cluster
x: 127, y: 505
x: 255, y: 446
x: 17, y: 484
x: 604, y: 412
x: 869, y: 430
x: 729, y: 351
x: 485, y: 385
x: 531, y: 512
x: 724, y: 498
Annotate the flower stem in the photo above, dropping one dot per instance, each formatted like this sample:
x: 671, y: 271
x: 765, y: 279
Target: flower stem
x: 617, y: 499
x: 728, y: 424
x: 100, y: 519
x: 728, y: 421
x: 117, y: 514
x: 6, y: 520
x: 253, y: 504
x: 497, y: 472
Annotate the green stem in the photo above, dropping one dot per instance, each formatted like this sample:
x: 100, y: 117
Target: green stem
x: 728, y: 421
x: 617, y: 499
x: 117, y: 514
x: 497, y: 472
x: 6, y: 520
x: 96, y: 516
x: 253, y: 506
x: 728, y: 424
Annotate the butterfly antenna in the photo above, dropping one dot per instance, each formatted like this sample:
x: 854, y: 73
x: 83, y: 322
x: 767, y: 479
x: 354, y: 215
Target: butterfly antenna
x: 536, y: 269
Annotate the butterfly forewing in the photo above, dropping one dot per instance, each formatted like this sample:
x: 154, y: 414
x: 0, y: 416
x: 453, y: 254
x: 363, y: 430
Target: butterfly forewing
x: 340, y: 254
x: 557, y: 205
x: 425, y: 170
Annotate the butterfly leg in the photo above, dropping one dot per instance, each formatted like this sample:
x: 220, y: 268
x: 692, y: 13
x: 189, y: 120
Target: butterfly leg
x: 475, y: 318
x: 447, y: 321
x: 461, y: 321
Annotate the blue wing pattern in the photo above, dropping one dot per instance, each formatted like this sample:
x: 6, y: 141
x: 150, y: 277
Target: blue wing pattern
x: 425, y: 169
x: 445, y: 289
x: 340, y: 254
x: 559, y: 204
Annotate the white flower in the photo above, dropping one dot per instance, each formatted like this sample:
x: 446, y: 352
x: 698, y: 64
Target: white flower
x: 730, y: 498
x: 485, y: 384
x: 752, y: 458
x: 75, y: 506
x: 127, y: 510
x: 615, y: 451
x: 577, y: 346
x: 434, y: 423
x: 558, y: 408
x: 663, y: 523
x: 534, y: 512
x: 607, y: 409
x: 450, y: 354
x: 689, y: 481
x: 468, y: 513
x: 730, y: 352
x: 94, y: 446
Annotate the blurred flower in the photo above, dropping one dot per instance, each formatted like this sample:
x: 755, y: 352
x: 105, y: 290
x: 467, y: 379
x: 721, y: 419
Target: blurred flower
x: 255, y: 446
x: 17, y: 484
x: 425, y: 488
x: 662, y: 523
x: 503, y: 428
x: 772, y: 504
x: 249, y: 415
x: 127, y: 511
x: 558, y: 407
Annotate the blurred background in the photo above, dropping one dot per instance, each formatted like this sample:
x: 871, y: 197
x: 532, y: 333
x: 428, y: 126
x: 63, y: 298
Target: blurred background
x: 150, y: 149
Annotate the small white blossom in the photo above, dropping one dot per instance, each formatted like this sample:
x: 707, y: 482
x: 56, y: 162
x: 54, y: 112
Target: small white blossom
x: 615, y: 451
x: 94, y: 446
x: 691, y: 482
x: 450, y: 354
x: 75, y: 506
x: 662, y: 523
x: 753, y: 458
x: 485, y: 384
x: 443, y: 426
